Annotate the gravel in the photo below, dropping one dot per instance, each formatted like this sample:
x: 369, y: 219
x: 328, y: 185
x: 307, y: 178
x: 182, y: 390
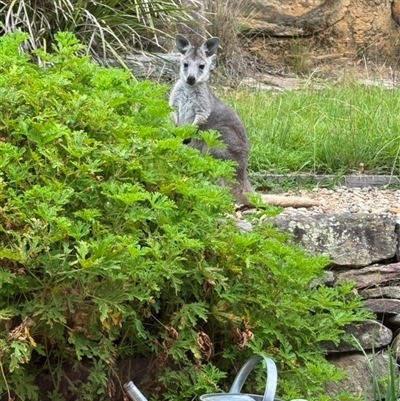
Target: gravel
x: 350, y: 200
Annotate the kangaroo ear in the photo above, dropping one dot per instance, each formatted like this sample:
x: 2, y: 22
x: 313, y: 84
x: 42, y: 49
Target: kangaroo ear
x: 182, y: 44
x: 210, y: 46
x: 213, y: 61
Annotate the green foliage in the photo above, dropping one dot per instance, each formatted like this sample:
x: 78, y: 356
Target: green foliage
x: 391, y: 386
x: 106, y: 27
x: 322, y: 131
x: 383, y: 388
x: 115, y: 243
x: 298, y: 59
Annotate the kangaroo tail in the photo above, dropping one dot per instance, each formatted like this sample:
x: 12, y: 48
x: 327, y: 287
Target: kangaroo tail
x: 289, y: 201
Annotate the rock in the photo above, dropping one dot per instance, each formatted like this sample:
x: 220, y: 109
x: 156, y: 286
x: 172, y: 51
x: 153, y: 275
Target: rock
x: 359, y: 380
x: 244, y: 226
x: 370, y: 335
x: 291, y: 19
x: 157, y: 66
x: 371, y: 275
x: 392, y: 321
x: 396, y: 347
x: 327, y: 279
x: 349, y: 240
x: 382, y: 292
x: 397, y: 229
x: 383, y: 305
x: 396, y: 11
x: 344, y: 26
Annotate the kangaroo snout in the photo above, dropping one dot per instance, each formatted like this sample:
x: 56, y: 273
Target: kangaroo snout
x: 191, y: 80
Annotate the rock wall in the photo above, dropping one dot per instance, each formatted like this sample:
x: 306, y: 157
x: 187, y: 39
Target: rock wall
x: 327, y: 29
x: 365, y: 249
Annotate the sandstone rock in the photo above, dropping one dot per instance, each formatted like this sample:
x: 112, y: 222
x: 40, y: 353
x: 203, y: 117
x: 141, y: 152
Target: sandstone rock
x: 396, y: 11
x: 287, y: 18
x: 359, y: 380
x: 349, y: 240
x: 383, y: 305
x: 382, y: 292
x: 370, y: 335
x: 328, y: 29
x: 371, y: 275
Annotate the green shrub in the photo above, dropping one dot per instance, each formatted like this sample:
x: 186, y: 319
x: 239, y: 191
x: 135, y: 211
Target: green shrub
x: 115, y: 243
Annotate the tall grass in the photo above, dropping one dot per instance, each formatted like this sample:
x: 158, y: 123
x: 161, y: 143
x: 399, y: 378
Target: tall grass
x: 225, y: 18
x: 106, y: 27
x: 385, y: 388
x: 325, y: 131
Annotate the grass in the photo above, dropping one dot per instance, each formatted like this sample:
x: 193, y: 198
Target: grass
x: 225, y: 22
x: 327, y: 131
x: 383, y: 388
x: 106, y: 28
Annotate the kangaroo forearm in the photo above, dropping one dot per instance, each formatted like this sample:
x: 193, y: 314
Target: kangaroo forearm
x: 201, y: 118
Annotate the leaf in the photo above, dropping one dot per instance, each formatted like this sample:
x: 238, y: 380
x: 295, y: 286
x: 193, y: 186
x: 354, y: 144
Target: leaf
x: 9, y: 254
x: 6, y: 314
x: 189, y: 314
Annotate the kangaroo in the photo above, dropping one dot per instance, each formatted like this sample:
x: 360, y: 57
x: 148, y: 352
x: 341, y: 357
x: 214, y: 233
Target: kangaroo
x: 194, y: 104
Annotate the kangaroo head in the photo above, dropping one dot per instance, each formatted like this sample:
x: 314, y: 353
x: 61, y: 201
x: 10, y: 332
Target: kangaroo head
x: 196, y: 62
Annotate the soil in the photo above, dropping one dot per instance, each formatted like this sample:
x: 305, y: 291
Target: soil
x: 276, y: 77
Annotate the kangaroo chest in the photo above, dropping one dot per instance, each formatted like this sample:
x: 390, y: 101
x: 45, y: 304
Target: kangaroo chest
x: 191, y: 102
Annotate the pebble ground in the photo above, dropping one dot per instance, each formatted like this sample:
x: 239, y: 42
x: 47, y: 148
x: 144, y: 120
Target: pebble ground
x: 350, y: 200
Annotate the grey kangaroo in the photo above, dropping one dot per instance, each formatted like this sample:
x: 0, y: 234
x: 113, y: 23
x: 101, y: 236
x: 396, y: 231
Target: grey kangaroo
x: 194, y: 104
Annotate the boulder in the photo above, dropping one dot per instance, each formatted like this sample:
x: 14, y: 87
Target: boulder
x: 370, y: 335
x: 328, y: 279
x: 382, y: 292
x: 371, y: 276
x: 343, y: 26
x: 286, y: 18
x: 350, y: 240
x: 383, y: 305
x: 359, y: 377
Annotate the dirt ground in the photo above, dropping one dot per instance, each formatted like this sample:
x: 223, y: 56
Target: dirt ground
x: 292, y: 64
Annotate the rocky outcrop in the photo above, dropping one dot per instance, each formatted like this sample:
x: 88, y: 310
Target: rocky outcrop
x: 292, y: 19
x: 362, y: 27
x: 350, y: 240
x: 364, y: 249
x: 327, y: 29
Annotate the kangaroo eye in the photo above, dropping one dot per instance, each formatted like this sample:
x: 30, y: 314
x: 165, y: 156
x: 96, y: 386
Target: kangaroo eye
x: 201, y: 67
x: 185, y: 65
